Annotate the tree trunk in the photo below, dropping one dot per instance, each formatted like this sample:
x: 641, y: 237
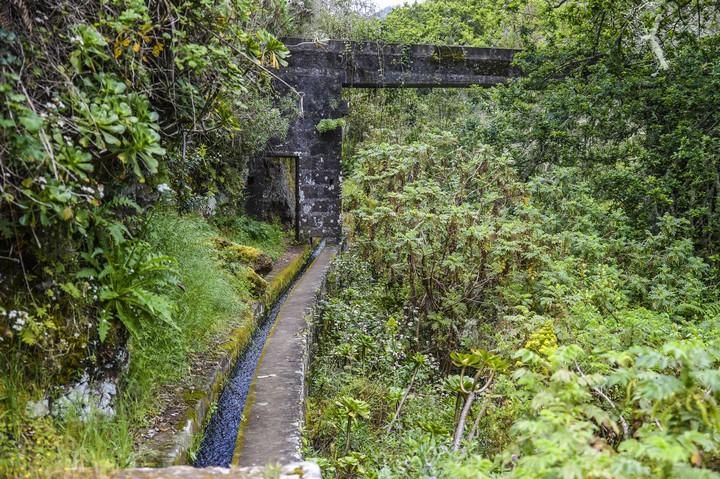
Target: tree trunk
x: 460, y: 430
x: 347, y: 436
x: 402, y: 401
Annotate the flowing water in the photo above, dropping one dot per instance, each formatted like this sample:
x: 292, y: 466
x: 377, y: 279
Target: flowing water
x: 218, y: 444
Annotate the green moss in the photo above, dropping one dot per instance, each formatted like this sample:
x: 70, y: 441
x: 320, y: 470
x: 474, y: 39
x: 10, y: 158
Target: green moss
x: 193, y: 395
x: 330, y: 124
x: 259, y: 285
x: 285, y: 277
x: 447, y: 54
x: 240, y: 336
x: 248, y: 254
x: 231, y: 252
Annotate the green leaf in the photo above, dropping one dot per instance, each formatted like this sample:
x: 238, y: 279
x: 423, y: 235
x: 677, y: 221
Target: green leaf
x: 32, y: 122
x: 708, y: 378
x: 103, y: 328
x: 71, y: 289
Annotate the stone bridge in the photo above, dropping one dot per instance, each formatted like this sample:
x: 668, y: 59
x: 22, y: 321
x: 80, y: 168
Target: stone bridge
x: 319, y: 72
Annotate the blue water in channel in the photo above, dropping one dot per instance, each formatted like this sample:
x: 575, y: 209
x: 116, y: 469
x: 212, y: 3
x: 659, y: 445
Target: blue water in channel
x: 218, y: 444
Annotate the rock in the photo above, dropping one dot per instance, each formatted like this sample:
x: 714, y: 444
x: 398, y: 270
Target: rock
x: 210, y: 206
x: 259, y: 261
x: 271, y: 190
x: 259, y: 285
x: 35, y: 409
x: 86, y: 396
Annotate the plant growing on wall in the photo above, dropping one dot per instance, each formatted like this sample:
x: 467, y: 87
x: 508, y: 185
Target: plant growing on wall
x: 326, y: 124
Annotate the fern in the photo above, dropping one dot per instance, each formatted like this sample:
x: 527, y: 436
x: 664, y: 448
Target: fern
x: 24, y: 13
x: 118, y: 202
x: 132, y: 285
x: 699, y: 311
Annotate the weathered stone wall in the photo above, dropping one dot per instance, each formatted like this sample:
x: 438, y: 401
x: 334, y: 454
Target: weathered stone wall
x: 271, y: 193
x: 319, y: 71
x: 318, y: 154
x: 378, y: 65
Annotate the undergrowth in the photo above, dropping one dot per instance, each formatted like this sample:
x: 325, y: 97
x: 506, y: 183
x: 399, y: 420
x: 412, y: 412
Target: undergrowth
x: 248, y: 231
x: 110, y: 109
x: 210, y: 300
x: 517, y: 330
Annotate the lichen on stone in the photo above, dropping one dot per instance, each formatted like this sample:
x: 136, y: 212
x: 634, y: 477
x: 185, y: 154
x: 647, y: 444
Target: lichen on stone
x: 230, y: 251
x: 259, y: 285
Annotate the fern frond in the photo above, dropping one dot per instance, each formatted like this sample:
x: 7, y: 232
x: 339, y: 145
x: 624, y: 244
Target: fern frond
x: 122, y: 202
x: 704, y: 311
x: 712, y: 310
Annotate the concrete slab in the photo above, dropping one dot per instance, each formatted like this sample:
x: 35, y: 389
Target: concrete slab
x: 271, y: 429
x: 298, y: 470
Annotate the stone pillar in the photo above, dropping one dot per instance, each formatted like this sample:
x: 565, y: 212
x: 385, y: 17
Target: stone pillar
x: 319, y: 173
x: 319, y: 154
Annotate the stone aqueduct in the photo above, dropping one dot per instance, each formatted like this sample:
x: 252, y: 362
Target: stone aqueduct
x: 318, y: 72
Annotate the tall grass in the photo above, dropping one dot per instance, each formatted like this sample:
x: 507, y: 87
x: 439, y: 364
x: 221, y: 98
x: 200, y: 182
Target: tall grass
x: 265, y: 236
x: 210, y: 298
x: 209, y: 302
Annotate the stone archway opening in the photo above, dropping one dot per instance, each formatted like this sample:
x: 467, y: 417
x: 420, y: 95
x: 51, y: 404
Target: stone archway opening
x: 319, y: 72
x: 272, y: 191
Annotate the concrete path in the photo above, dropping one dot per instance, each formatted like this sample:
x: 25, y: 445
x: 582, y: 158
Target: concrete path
x: 271, y: 429
x: 297, y: 470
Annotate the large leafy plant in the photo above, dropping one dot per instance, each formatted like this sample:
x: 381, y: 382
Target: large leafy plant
x: 133, y: 286
x: 432, y: 215
x: 653, y: 414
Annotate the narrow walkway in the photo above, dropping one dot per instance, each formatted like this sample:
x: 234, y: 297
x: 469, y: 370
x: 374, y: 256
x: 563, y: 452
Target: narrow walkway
x: 270, y: 431
x: 218, y: 442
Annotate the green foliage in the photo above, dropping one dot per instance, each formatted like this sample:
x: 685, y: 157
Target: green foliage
x: 327, y: 124
x: 244, y: 230
x: 343, y: 19
x: 650, y: 411
x: 131, y: 285
x: 110, y: 120
x: 352, y: 409
x: 206, y: 301
x: 107, y: 109
x: 562, y: 221
x: 474, y: 23
x: 674, y: 421
x: 422, y: 213
x: 96, y: 126
x: 212, y: 300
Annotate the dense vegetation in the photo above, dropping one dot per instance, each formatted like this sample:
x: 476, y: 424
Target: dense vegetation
x: 125, y: 131
x: 531, y: 286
